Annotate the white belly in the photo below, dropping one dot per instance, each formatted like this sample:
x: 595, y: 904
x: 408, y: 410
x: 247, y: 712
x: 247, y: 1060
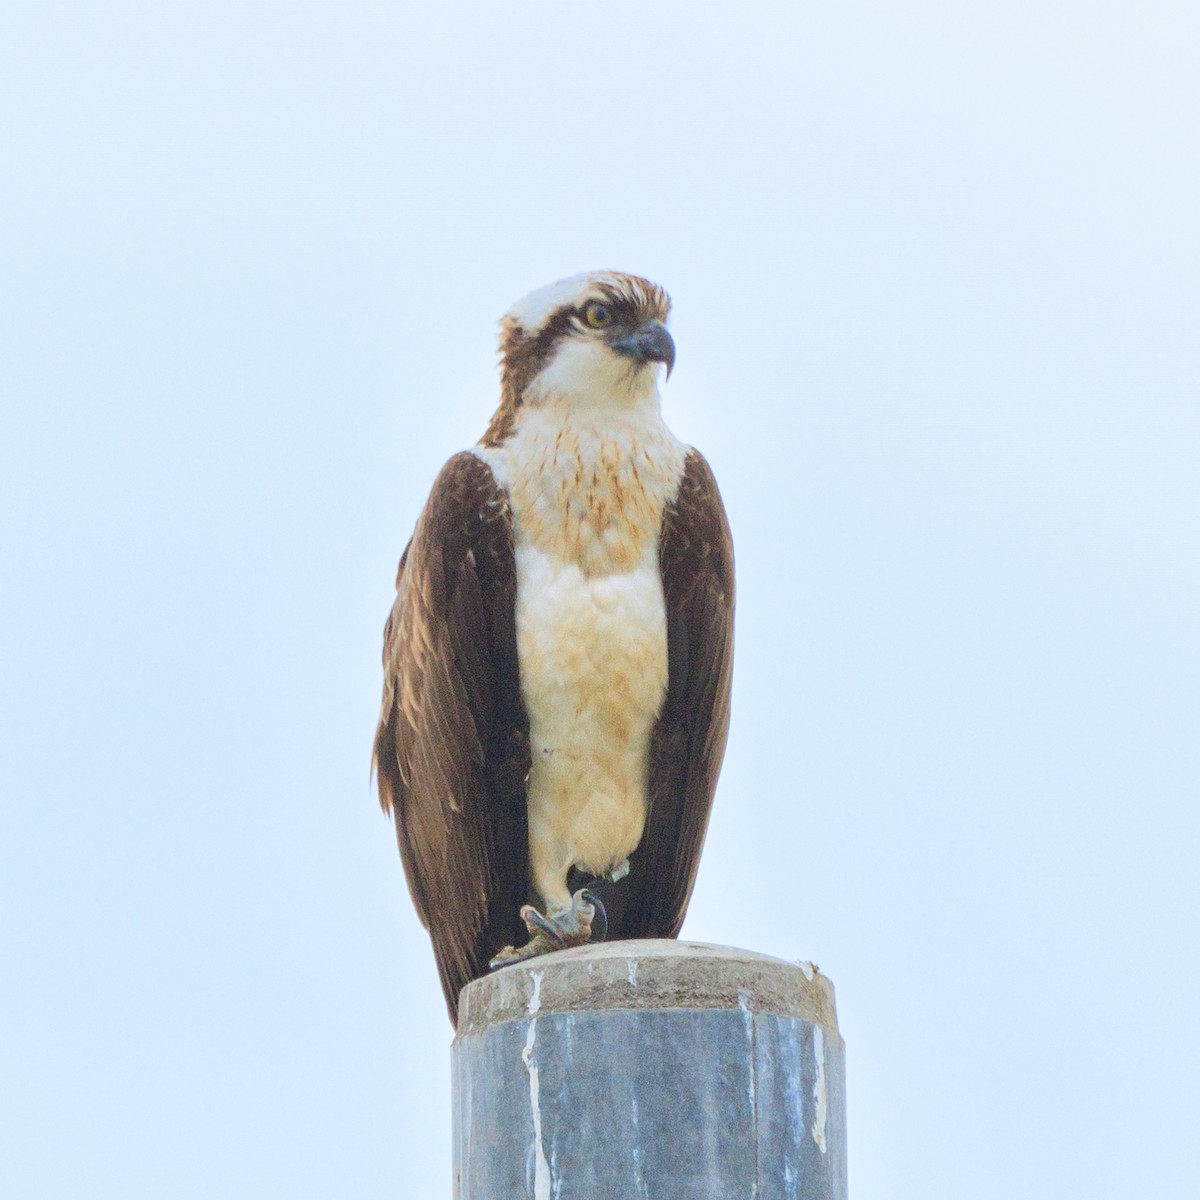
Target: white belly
x: 593, y: 658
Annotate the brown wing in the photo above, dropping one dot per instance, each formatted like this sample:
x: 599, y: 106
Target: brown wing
x: 696, y: 556
x: 452, y: 748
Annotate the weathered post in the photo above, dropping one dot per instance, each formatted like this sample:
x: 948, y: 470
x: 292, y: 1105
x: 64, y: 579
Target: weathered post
x: 649, y: 1070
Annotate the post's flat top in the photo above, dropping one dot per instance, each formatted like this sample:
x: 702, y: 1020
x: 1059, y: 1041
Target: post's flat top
x: 650, y: 973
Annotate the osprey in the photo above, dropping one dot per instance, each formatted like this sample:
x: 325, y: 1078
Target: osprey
x: 557, y: 661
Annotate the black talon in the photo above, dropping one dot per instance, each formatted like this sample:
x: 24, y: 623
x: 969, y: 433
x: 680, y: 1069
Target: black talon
x: 545, y: 926
x: 600, y: 918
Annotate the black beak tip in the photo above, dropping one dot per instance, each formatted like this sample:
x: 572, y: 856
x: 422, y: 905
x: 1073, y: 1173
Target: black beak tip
x: 668, y: 358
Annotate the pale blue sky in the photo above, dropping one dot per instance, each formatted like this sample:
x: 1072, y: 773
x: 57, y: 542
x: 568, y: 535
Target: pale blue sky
x: 935, y: 270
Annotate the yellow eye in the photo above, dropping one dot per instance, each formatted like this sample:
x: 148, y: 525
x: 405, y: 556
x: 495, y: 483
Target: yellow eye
x: 597, y: 315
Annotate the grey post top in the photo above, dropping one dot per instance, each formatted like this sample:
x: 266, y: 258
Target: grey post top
x: 649, y: 1070
x: 653, y: 973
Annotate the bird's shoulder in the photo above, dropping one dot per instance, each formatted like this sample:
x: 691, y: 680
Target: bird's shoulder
x: 696, y: 533
x: 466, y: 522
x: 465, y: 500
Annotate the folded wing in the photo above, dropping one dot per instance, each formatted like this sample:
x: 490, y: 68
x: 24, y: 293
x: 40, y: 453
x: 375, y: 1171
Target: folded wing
x: 452, y: 746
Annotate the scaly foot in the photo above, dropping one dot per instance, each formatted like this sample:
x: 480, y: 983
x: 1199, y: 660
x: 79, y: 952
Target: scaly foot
x: 557, y: 930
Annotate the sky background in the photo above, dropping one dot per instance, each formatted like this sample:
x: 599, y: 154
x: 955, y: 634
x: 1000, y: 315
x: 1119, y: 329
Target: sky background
x: 935, y: 270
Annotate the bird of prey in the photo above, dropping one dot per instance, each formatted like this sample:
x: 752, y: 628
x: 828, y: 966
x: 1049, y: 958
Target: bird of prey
x: 557, y: 661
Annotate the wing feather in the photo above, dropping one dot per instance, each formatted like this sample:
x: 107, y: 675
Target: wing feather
x: 452, y: 746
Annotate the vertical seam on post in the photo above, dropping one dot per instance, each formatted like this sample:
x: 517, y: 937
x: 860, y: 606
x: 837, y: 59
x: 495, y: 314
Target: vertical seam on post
x: 751, y: 1022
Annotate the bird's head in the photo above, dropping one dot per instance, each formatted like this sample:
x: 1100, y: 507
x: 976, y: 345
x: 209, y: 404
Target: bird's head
x: 591, y: 340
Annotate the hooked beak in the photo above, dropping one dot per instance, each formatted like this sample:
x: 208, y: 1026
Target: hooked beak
x: 648, y: 343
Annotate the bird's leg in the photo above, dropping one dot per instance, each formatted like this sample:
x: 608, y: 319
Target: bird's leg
x: 616, y: 873
x: 558, y: 929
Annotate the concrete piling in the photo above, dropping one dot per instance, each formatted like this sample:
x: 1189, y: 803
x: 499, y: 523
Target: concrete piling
x: 649, y: 1070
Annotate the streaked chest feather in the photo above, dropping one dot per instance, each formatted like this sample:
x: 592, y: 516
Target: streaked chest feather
x: 587, y: 501
x: 589, y: 493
